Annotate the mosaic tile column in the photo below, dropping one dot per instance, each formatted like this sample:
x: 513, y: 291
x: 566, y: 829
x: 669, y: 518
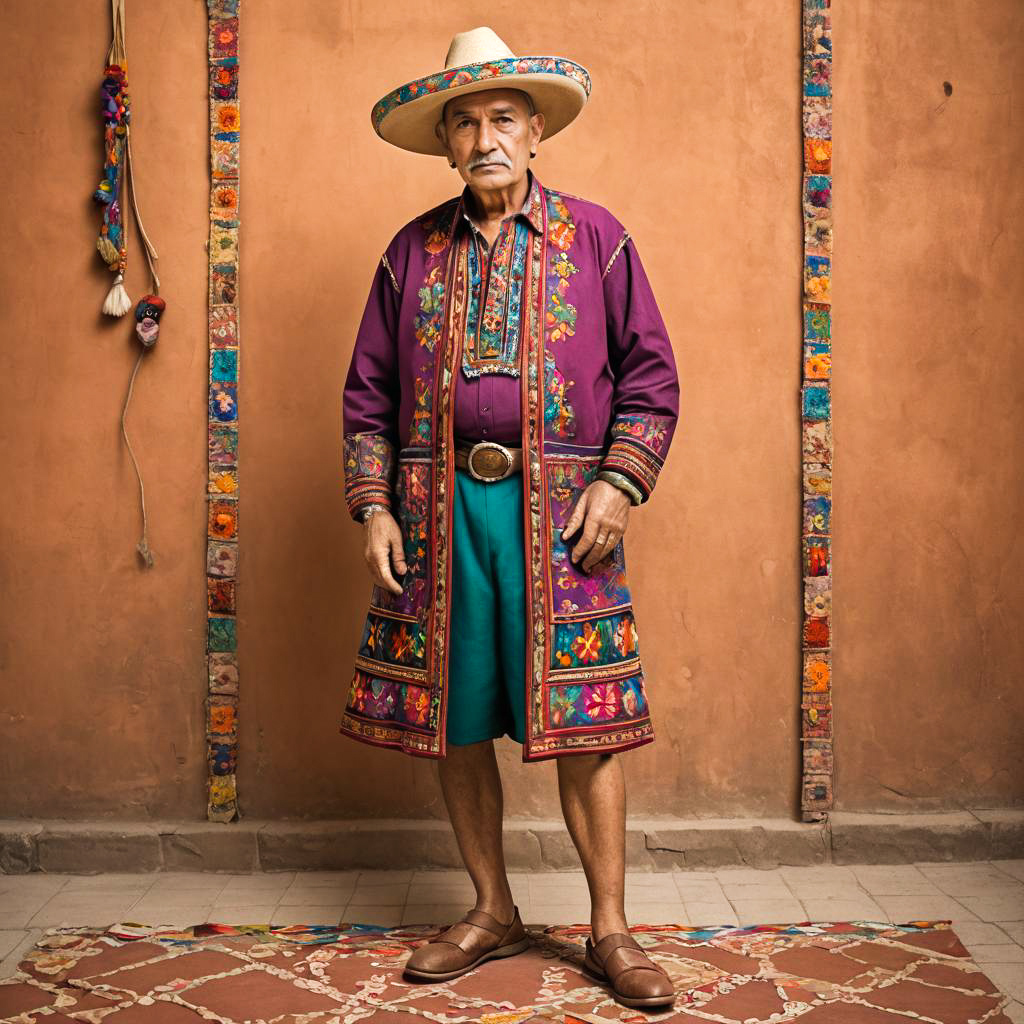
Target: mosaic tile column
x: 817, y: 785
x: 222, y: 485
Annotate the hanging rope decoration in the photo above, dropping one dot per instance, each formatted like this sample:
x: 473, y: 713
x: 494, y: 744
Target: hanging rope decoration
x: 117, y: 116
x: 222, y: 486
x: 816, y: 735
x: 119, y: 179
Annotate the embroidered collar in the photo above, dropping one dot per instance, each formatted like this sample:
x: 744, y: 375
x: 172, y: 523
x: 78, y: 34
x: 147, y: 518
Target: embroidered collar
x: 532, y: 209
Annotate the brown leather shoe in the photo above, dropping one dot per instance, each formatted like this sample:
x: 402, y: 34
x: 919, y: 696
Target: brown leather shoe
x: 635, y: 979
x: 471, y: 941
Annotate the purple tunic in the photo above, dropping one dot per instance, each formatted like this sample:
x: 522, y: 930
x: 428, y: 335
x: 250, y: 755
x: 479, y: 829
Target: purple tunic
x: 569, y: 354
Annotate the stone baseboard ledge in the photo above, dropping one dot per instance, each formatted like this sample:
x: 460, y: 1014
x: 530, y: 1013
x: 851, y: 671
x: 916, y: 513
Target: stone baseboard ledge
x: 88, y: 847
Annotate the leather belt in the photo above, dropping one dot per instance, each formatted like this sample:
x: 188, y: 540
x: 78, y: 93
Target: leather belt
x: 488, y: 460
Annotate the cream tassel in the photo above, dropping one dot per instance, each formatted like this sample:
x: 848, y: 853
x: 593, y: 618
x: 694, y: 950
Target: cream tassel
x: 117, y: 302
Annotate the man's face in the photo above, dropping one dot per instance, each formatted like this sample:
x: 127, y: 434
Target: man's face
x: 489, y: 135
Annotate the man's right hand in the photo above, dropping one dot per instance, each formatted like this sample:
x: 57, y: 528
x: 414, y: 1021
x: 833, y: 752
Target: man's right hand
x: 383, y: 545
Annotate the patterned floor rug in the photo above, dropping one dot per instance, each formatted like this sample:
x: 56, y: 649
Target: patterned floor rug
x: 849, y: 972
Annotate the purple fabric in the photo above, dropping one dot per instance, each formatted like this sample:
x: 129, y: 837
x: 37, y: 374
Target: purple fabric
x: 610, y: 354
x: 487, y: 408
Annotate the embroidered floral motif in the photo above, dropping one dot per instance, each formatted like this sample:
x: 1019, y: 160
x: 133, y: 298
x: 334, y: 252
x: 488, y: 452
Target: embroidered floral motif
x: 369, y: 455
x: 600, y: 641
x: 493, y: 324
x: 392, y: 641
x: 504, y: 67
x: 378, y: 700
x: 416, y: 705
x: 427, y: 324
x: 436, y: 224
x: 419, y: 430
x: 574, y: 590
x: 560, y: 317
x: 558, y: 413
x: 644, y: 427
x: 581, y: 704
x: 601, y: 701
x: 587, y: 646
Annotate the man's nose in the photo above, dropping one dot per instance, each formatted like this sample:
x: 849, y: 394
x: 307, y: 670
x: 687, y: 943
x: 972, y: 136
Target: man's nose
x: 485, y: 138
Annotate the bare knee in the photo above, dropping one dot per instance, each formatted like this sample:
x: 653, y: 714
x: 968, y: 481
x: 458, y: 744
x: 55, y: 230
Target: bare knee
x: 585, y: 764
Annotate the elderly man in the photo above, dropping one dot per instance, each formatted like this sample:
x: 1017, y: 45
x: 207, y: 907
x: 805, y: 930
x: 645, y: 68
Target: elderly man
x: 511, y: 394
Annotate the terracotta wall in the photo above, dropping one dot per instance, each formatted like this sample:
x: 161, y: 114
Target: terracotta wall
x: 692, y: 138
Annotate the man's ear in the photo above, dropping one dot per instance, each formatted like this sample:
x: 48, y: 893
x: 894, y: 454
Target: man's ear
x: 537, y: 124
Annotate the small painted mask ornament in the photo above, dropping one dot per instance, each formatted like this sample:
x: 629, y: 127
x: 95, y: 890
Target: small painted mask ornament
x: 147, y: 318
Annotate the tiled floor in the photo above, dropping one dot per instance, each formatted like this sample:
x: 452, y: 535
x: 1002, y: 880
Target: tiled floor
x: 984, y: 900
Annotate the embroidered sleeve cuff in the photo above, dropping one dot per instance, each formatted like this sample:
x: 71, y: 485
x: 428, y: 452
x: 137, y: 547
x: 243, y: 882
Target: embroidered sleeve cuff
x: 623, y: 483
x: 639, y: 442
x: 369, y: 472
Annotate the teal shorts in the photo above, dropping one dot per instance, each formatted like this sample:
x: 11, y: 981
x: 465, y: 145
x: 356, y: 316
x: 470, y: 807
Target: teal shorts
x: 487, y: 663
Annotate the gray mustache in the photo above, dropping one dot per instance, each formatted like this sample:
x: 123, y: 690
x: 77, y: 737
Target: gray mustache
x: 474, y: 164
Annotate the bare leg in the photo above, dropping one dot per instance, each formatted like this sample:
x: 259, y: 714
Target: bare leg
x: 593, y: 795
x: 471, y: 785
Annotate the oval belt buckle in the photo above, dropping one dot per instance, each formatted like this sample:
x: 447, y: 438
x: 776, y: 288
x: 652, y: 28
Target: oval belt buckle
x: 489, y: 460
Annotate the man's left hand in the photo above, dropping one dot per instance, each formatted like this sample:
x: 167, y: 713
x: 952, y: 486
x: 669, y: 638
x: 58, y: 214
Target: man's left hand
x: 603, y: 509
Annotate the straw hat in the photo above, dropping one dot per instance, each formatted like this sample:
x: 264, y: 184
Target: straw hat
x: 477, y: 60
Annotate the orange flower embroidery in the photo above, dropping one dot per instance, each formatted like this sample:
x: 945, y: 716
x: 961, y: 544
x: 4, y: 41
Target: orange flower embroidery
x: 587, y: 646
x: 230, y: 119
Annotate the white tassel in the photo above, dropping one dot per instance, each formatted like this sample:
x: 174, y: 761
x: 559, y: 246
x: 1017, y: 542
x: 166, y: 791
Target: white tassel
x: 117, y: 302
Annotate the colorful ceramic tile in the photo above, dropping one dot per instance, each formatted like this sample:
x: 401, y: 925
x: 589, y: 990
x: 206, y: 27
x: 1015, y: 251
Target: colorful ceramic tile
x: 817, y: 478
x: 818, y: 155
x: 817, y: 117
x: 224, y: 78
x: 817, y: 514
x: 221, y: 633
x: 818, y: 277
x: 816, y: 401
x: 221, y: 559
x: 223, y: 757
x: 220, y: 594
x: 818, y: 596
x: 222, y: 480
x: 223, y: 402
x: 224, y: 282
x: 224, y: 364
x: 223, y: 447
x: 817, y: 756
x: 817, y: 321
x: 817, y: 441
x: 817, y: 672
x: 817, y: 556
x: 817, y: 360
x: 816, y: 633
x: 223, y: 326
x: 224, y: 240
x: 222, y: 671
x: 817, y: 722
